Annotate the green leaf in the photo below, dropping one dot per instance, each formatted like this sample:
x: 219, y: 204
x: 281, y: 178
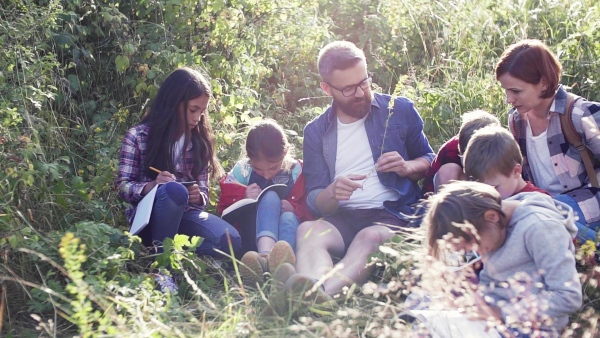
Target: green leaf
x: 74, y: 83
x: 122, y: 63
x: 195, y: 242
x: 151, y: 74
x: 180, y: 241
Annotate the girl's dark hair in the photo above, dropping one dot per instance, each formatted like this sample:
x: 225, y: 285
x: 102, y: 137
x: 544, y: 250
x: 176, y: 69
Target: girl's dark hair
x: 531, y: 61
x: 266, y: 139
x: 459, y: 206
x: 181, y: 86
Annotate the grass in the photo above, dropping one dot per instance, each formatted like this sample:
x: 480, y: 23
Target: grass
x: 64, y: 106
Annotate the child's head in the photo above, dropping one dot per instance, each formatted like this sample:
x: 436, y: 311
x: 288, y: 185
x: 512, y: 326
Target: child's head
x: 183, y: 90
x: 268, y: 149
x: 472, y: 121
x: 493, y: 157
x: 181, y: 108
x: 467, y: 216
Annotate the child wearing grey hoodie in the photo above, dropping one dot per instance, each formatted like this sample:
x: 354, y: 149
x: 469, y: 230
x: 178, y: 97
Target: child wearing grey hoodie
x: 529, y: 281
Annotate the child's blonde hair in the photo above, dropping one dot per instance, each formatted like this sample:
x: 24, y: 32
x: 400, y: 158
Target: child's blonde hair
x: 490, y: 151
x: 458, y: 209
x: 471, y: 122
x: 267, y: 140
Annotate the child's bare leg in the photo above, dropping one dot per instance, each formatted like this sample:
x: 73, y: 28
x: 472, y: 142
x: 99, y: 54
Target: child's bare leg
x: 265, y: 244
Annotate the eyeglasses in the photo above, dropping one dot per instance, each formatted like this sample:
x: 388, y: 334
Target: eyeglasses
x: 350, y: 90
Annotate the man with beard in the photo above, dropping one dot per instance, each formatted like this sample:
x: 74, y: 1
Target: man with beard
x: 362, y: 159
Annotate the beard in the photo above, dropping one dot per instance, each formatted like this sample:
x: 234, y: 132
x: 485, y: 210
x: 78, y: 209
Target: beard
x: 356, y: 107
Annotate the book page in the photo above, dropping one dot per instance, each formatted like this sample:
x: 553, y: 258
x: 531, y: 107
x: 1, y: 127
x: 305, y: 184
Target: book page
x: 453, y: 324
x: 143, y: 212
x: 247, y: 207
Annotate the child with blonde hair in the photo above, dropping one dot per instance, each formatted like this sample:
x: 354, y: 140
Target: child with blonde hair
x: 447, y: 164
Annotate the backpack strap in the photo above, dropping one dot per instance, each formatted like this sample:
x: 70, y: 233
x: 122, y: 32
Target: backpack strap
x: 518, y: 133
x: 574, y: 139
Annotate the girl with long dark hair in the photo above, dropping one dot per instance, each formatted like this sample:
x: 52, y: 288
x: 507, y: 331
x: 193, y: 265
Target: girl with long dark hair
x: 173, y: 144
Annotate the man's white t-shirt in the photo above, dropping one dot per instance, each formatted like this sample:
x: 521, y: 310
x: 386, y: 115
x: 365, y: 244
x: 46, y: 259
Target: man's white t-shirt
x: 354, y: 157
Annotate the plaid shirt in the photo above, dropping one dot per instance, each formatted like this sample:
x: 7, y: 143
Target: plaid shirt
x: 132, y: 178
x: 448, y: 153
x: 566, y: 161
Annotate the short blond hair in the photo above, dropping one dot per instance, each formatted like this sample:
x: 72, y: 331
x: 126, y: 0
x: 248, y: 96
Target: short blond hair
x: 472, y: 121
x: 491, y: 150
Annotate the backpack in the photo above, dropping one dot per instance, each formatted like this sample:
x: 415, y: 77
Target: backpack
x: 572, y: 137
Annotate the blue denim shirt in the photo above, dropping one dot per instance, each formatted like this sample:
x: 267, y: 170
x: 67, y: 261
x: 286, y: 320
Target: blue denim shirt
x: 399, y: 128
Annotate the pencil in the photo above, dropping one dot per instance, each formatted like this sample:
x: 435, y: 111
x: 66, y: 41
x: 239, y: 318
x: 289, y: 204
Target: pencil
x: 155, y: 170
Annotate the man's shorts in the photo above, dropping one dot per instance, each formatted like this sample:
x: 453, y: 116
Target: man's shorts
x: 350, y: 221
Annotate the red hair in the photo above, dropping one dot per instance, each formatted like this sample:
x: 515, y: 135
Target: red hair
x: 531, y: 61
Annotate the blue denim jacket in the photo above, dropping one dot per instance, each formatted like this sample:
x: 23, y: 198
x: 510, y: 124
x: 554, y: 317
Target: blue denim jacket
x: 399, y: 128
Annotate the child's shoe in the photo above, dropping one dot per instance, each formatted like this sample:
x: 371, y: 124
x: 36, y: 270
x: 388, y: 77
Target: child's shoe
x: 281, y: 253
x: 302, y: 288
x: 278, y: 300
x: 253, y: 268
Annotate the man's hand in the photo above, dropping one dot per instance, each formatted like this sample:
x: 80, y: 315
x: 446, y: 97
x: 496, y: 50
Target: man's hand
x: 394, y: 162
x: 343, y: 187
x: 340, y: 190
x: 194, y: 195
x: 286, y: 206
x: 253, y: 190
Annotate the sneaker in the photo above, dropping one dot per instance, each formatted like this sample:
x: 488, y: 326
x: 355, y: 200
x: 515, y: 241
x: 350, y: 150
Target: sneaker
x: 283, y: 273
x: 279, y: 304
x: 253, y: 268
x: 166, y: 283
x: 281, y: 253
x: 301, y: 287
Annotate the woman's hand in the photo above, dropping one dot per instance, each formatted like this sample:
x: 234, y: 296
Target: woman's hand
x: 286, y: 206
x: 195, y: 196
x: 253, y: 190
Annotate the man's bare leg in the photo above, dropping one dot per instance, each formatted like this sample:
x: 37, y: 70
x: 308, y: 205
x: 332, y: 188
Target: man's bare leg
x: 355, y: 269
x: 316, y: 243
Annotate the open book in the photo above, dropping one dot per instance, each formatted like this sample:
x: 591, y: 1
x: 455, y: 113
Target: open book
x: 246, y: 207
x: 444, y: 324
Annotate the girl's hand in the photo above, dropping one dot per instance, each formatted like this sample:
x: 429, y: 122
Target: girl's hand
x: 286, y: 206
x: 253, y: 190
x: 483, y: 311
x: 164, y: 177
x: 194, y: 195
